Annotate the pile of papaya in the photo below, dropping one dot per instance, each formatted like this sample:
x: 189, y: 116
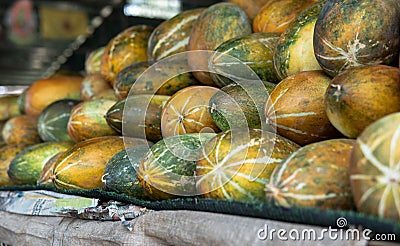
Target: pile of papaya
x: 317, y: 124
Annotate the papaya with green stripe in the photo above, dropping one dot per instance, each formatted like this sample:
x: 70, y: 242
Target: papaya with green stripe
x: 93, y: 60
x: 9, y: 107
x: 167, y: 80
x: 125, y: 48
x: 82, y: 166
x: 7, y: 154
x: 374, y: 169
x: 236, y: 107
x: 21, y: 101
x: 359, y: 96
x: 120, y: 174
x: 172, y: 36
x: 93, y: 84
x: 215, y: 25
x: 27, y: 165
x: 53, y: 121
x: 255, y: 51
x: 237, y: 164
x: 294, y: 50
x: 188, y: 111
x: 276, y: 15
x: 168, y: 168
x: 21, y: 130
x: 140, y: 118
x: 87, y: 120
x: 352, y: 33
x: 297, y: 108
x: 251, y: 7
x: 315, y: 176
x: 46, y: 176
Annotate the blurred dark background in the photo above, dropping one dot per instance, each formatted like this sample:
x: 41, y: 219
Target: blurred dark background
x: 38, y: 38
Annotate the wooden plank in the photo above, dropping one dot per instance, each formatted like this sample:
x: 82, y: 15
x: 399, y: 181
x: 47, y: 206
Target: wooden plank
x: 155, y: 228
